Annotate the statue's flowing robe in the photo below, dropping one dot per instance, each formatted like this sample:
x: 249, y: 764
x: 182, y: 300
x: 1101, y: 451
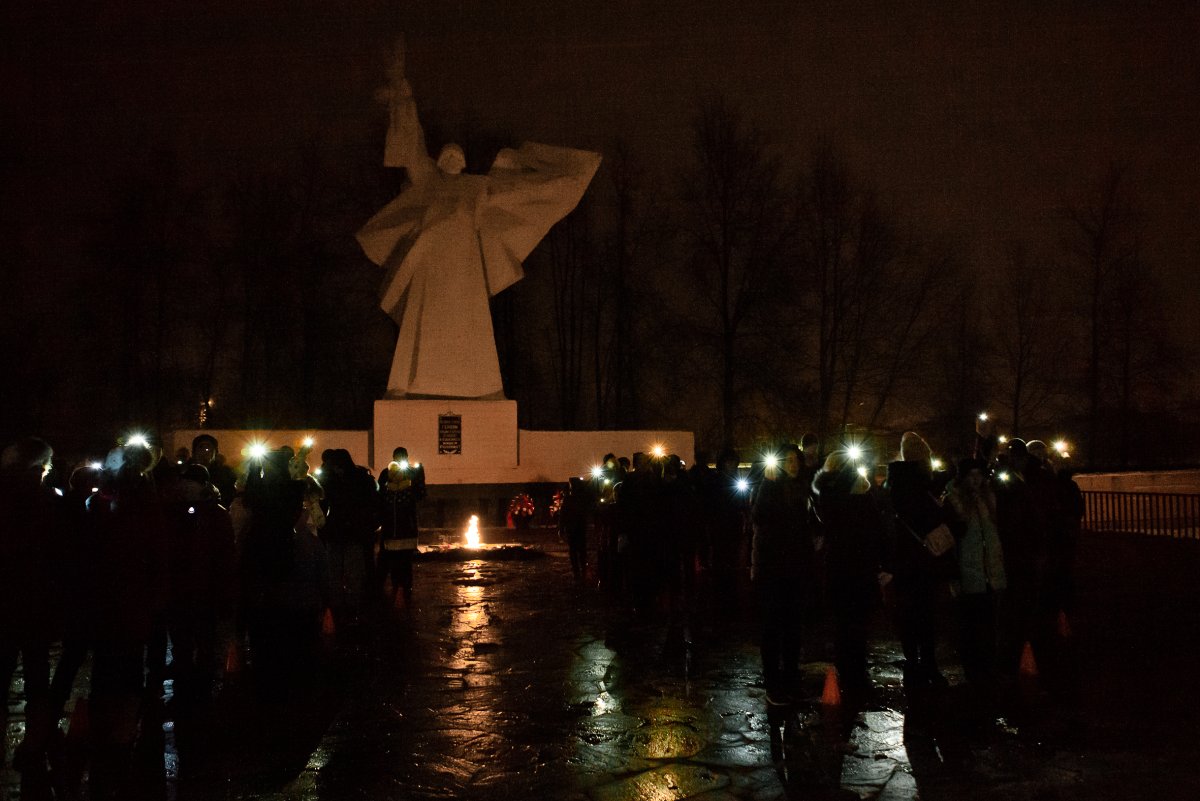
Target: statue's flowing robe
x: 448, y: 243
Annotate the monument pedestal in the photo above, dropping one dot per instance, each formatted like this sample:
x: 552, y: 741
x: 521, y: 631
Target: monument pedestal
x: 478, y: 442
x: 457, y: 441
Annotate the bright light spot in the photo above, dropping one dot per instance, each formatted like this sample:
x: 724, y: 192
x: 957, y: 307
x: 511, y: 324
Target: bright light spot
x: 983, y: 416
x: 95, y: 466
x: 403, y: 464
x: 743, y: 485
x: 937, y: 464
x: 597, y: 472
x: 607, y: 481
x: 1060, y: 446
x: 191, y: 510
x: 659, y: 451
x: 1066, y: 455
x: 862, y: 470
x: 309, y: 442
x: 257, y: 450
x: 854, y: 452
x: 95, y: 489
x: 317, y: 472
x: 416, y: 465
x: 472, y: 534
x: 771, y: 460
x: 1003, y: 475
x: 1002, y: 439
x: 58, y: 491
x: 138, y: 440
x: 178, y: 461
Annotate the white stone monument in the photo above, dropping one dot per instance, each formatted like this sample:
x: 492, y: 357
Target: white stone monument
x: 450, y: 241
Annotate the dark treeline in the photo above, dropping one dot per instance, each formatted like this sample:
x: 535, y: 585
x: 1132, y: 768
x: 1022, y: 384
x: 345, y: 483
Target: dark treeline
x: 752, y: 296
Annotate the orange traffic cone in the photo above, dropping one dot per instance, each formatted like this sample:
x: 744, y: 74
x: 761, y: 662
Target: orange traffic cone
x: 77, y: 729
x: 233, y: 658
x: 1028, y: 663
x: 832, y: 694
x: 327, y: 627
x: 1064, y: 626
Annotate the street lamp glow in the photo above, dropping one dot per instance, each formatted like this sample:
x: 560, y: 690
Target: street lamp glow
x: 659, y: 451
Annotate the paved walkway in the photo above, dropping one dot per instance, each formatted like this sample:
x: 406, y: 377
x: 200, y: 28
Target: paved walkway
x: 504, y: 680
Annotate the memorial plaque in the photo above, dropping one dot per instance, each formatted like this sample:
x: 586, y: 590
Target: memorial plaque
x: 449, y: 433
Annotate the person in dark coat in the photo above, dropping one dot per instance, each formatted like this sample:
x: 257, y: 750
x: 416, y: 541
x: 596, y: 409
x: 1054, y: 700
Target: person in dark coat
x: 401, y: 489
x: 285, y: 578
x: 783, y: 570
x: 573, y: 522
x: 919, y: 576
x: 130, y: 583
x: 203, y: 559
x: 77, y: 593
x: 205, y: 453
x: 1023, y: 495
x: 855, y: 556
x: 32, y: 533
x: 728, y: 502
x: 351, y: 521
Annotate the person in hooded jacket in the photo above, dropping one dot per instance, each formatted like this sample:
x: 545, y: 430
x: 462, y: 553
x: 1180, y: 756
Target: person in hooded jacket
x: 855, y: 560
x: 919, y: 576
x: 783, y: 570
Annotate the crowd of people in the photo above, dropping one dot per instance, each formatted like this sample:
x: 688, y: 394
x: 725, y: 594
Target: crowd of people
x: 828, y: 539
x: 131, y: 561
x: 162, y: 568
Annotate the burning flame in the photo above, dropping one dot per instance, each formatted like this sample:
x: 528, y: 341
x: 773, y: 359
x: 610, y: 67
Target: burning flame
x: 472, y: 535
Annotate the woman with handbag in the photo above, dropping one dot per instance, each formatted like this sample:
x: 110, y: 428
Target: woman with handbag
x: 982, y: 581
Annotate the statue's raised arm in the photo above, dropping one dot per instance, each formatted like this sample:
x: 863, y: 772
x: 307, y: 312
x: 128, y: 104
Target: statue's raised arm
x: 405, y: 143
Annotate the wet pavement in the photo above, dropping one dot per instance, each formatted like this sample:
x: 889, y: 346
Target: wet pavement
x: 503, y: 679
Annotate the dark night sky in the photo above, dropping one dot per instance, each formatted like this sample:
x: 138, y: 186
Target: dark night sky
x: 978, y: 119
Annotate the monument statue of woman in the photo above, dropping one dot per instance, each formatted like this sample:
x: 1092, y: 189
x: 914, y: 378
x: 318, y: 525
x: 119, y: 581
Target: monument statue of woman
x: 451, y: 240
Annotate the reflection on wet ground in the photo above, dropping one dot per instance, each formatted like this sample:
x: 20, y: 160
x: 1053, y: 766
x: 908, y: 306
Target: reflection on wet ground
x: 505, y: 680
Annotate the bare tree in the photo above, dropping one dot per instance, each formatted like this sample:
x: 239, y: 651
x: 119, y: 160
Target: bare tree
x: 1030, y: 345
x: 736, y: 235
x: 571, y: 254
x: 1102, y: 239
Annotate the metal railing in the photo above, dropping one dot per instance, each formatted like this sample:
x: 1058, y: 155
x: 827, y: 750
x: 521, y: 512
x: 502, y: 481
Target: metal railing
x: 1165, y: 514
